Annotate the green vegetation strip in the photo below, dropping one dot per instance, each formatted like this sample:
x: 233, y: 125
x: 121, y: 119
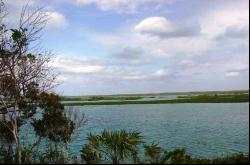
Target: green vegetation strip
x: 237, y: 98
x: 100, y: 98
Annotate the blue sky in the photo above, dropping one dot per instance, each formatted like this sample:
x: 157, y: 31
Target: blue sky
x: 141, y: 46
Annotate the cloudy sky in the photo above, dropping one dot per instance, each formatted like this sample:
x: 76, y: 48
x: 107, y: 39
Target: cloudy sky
x: 141, y: 46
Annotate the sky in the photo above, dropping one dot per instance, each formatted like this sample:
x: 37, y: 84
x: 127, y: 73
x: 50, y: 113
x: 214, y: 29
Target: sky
x: 145, y: 46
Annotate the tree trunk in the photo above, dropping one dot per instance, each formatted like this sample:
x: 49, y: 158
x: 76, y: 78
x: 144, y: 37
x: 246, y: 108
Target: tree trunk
x: 18, y: 148
x: 115, y: 160
x: 16, y: 137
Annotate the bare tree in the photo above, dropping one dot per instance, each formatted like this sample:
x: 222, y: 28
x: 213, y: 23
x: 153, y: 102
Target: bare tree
x: 2, y: 11
x: 25, y: 72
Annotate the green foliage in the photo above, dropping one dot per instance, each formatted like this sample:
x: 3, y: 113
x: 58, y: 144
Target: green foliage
x: 233, y: 159
x: 6, y: 157
x: 32, y: 91
x: 90, y: 154
x: 8, y: 84
x: 115, y: 146
x: 16, y: 34
x: 178, y: 156
x: 100, y: 147
x: 27, y: 156
x: 157, y: 155
x: 5, y: 130
x: 50, y: 101
x: 153, y: 153
x: 53, y: 155
x: 54, y: 125
x: 19, y: 38
x: 99, y: 98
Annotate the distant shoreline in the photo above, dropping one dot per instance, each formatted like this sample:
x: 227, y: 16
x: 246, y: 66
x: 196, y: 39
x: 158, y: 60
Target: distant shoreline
x: 167, y: 93
x: 233, y: 97
x: 138, y: 103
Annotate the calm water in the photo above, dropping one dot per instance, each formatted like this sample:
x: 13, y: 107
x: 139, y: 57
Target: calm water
x: 205, y: 130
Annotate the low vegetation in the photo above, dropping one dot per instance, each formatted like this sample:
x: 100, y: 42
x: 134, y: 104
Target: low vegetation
x: 114, y: 148
x: 204, y: 98
x: 100, y: 98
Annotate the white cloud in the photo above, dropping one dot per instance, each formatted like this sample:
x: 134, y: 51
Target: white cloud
x: 187, y: 63
x: 105, y: 5
x: 243, y: 67
x: 163, y: 28
x: 20, y: 3
x: 62, y: 78
x: 14, y: 8
x: 83, y: 69
x: 155, y: 26
x: 72, y: 68
x: 56, y: 20
x: 137, y: 55
x: 124, y: 6
x: 221, y: 22
x: 76, y: 65
x: 232, y: 74
x: 161, y: 72
x: 146, y: 49
x: 135, y: 77
x: 148, y: 76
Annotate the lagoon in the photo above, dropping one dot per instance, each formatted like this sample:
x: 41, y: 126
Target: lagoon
x: 205, y: 130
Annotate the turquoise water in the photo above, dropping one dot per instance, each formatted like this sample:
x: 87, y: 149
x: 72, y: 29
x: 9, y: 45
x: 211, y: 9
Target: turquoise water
x: 205, y: 130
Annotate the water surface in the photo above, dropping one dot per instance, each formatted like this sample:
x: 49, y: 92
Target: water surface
x: 205, y: 130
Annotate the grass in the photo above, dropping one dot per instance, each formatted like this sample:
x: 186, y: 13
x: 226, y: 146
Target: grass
x: 203, y: 98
